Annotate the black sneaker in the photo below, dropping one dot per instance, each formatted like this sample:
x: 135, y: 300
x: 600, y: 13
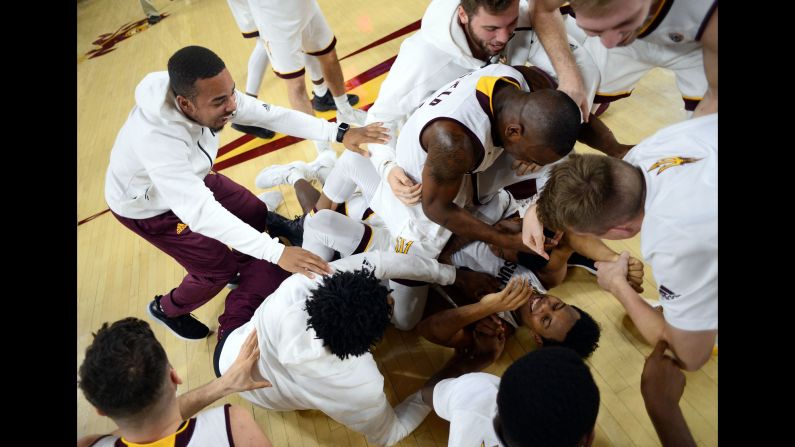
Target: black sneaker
x: 326, y: 102
x: 185, y: 327
x: 293, y: 230
x: 153, y: 19
x: 259, y: 132
x: 234, y: 282
x: 578, y: 260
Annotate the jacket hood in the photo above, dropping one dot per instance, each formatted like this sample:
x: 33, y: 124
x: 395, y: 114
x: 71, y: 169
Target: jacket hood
x: 440, y: 27
x: 156, y: 100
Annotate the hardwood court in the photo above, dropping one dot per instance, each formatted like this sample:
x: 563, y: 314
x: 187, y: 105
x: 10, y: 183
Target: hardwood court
x: 119, y: 272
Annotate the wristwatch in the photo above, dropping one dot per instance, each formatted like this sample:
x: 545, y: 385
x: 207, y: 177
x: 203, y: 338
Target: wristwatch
x: 341, y: 129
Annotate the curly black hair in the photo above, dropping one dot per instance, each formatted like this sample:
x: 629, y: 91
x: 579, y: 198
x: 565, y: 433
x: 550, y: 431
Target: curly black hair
x: 125, y: 369
x: 583, y: 337
x: 349, y: 311
x: 546, y: 398
x: 190, y: 64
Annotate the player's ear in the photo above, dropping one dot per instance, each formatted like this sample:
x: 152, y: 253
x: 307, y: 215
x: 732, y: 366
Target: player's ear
x: 513, y: 132
x: 462, y: 15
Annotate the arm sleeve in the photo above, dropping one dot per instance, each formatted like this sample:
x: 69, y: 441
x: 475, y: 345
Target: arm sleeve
x: 451, y: 395
x: 406, y: 86
x: 688, y: 285
x: 253, y: 112
x: 169, y: 168
x: 387, y: 426
x: 389, y: 265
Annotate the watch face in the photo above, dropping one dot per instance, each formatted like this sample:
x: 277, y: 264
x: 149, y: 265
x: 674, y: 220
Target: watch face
x: 341, y: 129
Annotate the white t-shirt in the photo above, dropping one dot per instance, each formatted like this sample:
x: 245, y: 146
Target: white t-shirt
x: 679, y: 237
x: 469, y: 402
x: 304, y: 372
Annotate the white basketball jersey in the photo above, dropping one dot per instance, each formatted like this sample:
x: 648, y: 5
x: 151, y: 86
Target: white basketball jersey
x: 478, y: 257
x: 468, y: 101
x: 678, y: 23
x: 207, y: 429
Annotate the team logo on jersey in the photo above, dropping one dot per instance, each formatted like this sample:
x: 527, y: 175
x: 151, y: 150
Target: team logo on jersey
x: 676, y: 37
x: 267, y: 106
x: 506, y: 272
x: 667, y: 294
x: 107, y: 42
x: 665, y: 163
x: 402, y: 245
x: 181, y: 227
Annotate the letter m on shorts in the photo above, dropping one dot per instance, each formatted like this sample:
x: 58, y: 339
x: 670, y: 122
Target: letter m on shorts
x: 402, y: 245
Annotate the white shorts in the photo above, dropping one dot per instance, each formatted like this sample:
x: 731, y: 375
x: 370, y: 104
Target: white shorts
x: 286, y: 51
x: 329, y: 231
x: 245, y: 21
x: 622, y: 67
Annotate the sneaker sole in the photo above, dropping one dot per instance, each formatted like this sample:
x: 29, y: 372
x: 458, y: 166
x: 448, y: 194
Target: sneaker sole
x: 157, y: 320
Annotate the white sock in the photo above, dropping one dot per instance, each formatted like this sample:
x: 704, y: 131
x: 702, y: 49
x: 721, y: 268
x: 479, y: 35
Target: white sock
x: 342, y: 104
x: 257, y: 64
x: 319, y: 89
x: 294, y: 176
x: 322, y: 146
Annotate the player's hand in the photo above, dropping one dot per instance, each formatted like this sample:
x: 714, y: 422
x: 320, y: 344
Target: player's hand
x: 612, y: 276
x: 243, y: 374
x: 576, y: 91
x: 521, y: 167
x: 298, y: 260
x: 515, y: 294
x: 371, y: 133
x: 403, y: 187
x: 533, y: 232
x: 635, y: 274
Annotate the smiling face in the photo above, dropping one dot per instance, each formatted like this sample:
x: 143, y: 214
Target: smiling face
x: 548, y: 316
x: 488, y: 32
x: 214, y: 103
x: 616, y: 23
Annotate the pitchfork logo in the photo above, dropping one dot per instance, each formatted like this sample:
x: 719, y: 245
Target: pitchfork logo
x: 107, y: 42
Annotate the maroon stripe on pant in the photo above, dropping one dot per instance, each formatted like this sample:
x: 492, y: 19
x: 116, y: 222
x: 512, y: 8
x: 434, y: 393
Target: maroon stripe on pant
x: 691, y: 104
x: 523, y: 190
x: 368, y: 233
x: 324, y: 50
x: 292, y: 75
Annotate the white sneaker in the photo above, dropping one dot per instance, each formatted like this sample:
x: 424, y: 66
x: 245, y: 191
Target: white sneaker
x: 275, y: 175
x: 355, y: 116
x: 272, y: 198
x: 320, y: 167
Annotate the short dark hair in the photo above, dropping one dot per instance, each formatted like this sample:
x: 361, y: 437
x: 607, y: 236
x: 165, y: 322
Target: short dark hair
x: 349, y: 311
x: 189, y: 64
x: 554, y: 117
x: 547, y: 398
x: 583, y: 337
x: 125, y: 369
x: 591, y: 193
x: 491, y: 6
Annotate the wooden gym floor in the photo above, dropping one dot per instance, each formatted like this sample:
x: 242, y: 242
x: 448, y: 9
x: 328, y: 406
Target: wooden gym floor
x: 119, y: 273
